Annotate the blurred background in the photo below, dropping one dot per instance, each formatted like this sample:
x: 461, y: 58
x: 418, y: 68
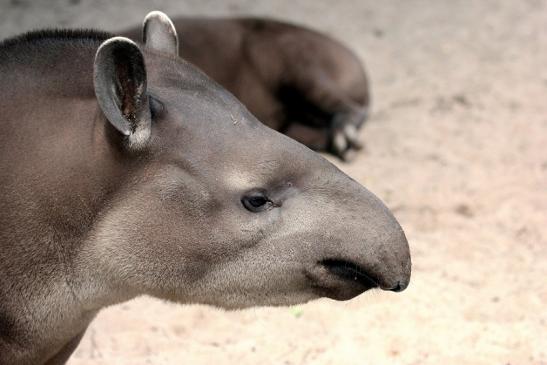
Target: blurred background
x: 457, y: 148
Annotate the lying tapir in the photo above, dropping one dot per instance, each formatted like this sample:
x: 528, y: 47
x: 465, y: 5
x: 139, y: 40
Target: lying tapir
x: 126, y: 171
x: 293, y: 79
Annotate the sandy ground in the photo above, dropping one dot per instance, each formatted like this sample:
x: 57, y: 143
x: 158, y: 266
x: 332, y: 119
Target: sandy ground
x: 457, y: 147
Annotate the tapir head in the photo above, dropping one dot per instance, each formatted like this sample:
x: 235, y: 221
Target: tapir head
x: 216, y: 208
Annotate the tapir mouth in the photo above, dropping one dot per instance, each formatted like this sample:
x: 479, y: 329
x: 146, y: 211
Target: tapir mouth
x: 350, y: 271
x: 340, y: 279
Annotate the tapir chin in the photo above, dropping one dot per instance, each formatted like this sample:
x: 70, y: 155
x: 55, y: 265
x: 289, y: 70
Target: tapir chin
x: 295, y: 80
x: 125, y: 171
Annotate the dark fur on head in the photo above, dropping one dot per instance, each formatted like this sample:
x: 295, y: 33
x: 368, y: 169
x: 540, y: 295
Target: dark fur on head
x: 55, y: 34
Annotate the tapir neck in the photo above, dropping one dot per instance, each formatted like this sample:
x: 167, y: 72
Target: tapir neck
x: 58, y: 172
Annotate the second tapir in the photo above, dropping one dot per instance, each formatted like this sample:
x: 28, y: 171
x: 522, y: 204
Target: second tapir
x: 295, y: 80
x: 125, y: 171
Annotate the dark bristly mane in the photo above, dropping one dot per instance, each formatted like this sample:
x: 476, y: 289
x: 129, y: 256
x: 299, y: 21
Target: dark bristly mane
x: 82, y: 36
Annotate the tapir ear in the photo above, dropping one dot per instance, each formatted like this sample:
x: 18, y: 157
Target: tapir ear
x: 120, y: 87
x: 159, y: 33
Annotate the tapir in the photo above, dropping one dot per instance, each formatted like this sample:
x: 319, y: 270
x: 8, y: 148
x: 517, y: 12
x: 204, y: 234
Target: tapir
x: 125, y: 171
x: 296, y: 80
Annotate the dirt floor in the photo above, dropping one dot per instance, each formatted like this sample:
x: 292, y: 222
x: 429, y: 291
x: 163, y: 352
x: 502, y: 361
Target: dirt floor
x: 457, y: 147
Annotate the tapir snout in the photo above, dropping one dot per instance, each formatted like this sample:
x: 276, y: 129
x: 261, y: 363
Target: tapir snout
x: 369, y: 248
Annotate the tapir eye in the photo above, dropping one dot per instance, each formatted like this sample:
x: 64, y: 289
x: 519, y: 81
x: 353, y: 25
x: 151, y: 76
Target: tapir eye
x: 256, y: 202
x: 156, y: 107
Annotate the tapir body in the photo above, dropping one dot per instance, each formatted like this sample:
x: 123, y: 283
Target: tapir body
x: 296, y: 80
x: 126, y: 171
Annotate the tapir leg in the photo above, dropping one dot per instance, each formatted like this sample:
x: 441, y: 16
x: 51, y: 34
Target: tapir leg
x: 335, y: 118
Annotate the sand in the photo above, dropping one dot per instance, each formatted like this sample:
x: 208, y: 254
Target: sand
x: 456, y: 146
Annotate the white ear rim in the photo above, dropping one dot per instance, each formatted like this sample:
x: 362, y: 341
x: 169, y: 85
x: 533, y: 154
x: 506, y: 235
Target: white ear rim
x: 158, y: 14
